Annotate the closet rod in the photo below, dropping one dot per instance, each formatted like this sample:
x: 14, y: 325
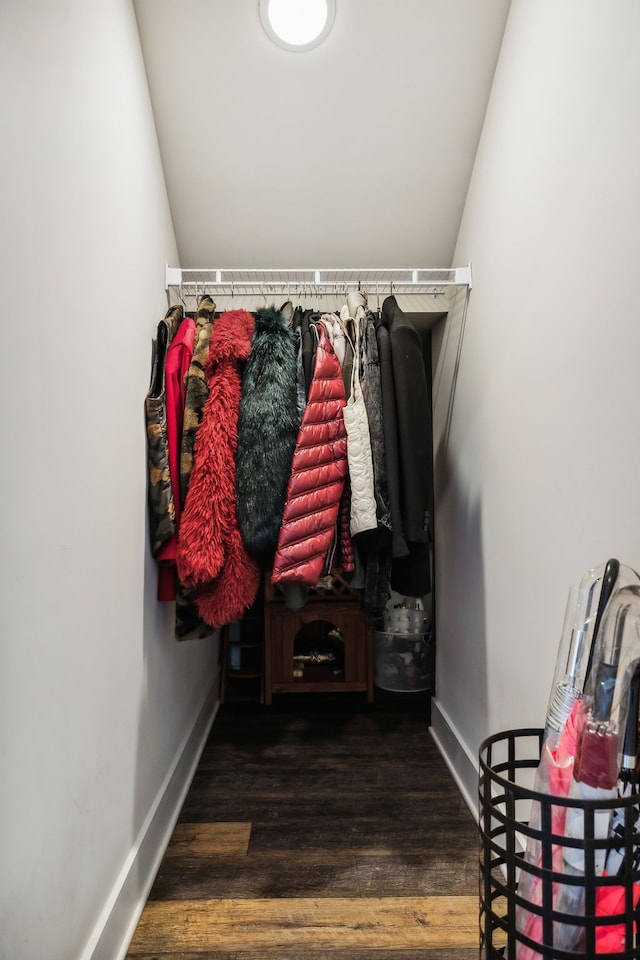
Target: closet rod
x: 405, y: 280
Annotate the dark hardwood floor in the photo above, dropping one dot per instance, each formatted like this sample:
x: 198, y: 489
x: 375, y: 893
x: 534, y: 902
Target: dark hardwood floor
x: 320, y: 828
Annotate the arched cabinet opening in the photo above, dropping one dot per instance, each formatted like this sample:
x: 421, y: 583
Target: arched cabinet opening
x: 324, y: 647
x: 318, y: 652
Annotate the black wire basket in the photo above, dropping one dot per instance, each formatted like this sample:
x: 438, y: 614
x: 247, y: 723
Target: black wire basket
x: 508, y: 761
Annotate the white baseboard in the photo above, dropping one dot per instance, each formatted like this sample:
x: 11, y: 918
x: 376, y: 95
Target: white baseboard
x: 462, y: 765
x: 118, y: 920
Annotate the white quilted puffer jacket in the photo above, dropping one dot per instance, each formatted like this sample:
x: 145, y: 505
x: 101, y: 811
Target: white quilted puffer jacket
x: 333, y: 326
x: 363, y: 504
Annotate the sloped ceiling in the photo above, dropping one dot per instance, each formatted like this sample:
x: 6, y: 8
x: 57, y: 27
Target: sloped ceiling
x: 355, y: 154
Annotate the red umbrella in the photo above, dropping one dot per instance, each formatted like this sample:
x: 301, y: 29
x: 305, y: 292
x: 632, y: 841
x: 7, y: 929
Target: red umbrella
x: 611, y: 902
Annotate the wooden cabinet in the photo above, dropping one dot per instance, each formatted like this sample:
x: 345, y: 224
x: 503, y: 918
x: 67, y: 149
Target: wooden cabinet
x: 324, y: 647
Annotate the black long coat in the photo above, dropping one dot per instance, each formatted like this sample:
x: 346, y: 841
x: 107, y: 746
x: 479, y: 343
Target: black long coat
x: 411, y: 575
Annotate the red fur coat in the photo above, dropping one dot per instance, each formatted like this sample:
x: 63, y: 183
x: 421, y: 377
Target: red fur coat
x: 211, y: 555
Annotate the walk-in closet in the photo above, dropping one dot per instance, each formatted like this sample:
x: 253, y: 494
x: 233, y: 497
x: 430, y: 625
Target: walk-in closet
x: 290, y: 462
x: 211, y: 745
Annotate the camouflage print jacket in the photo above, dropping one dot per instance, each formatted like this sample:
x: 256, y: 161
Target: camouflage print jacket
x: 189, y: 624
x: 162, y: 524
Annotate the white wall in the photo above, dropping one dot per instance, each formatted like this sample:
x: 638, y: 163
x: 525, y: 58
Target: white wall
x: 354, y: 154
x: 97, y: 700
x: 539, y: 478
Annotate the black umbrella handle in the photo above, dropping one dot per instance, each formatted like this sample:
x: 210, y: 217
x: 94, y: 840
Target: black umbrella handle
x: 609, y: 578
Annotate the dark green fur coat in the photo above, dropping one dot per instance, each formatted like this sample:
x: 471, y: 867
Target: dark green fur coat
x: 268, y: 425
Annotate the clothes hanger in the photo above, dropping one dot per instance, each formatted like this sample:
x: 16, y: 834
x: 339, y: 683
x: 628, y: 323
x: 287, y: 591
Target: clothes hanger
x: 287, y: 300
x: 206, y: 296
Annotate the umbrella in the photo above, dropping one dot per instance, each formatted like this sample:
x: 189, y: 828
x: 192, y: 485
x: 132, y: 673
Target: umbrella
x: 573, y: 665
x: 628, y: 778
x: 562, y: 733
x: 595, y: 777
x: 612, y: 900
x: 595, y: 772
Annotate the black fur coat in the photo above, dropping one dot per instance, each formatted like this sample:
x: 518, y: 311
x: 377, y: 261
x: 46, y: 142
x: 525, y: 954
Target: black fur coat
x: 268, y: 425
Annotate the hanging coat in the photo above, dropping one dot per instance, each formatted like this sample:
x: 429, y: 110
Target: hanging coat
x: 301, y: 388
x: 309, y: 344
x: 189, y: 623
x: 411, y: 576
x: 196, y: 392
x: 162, y: 521
x: 372, y: 394
x: 345, y: 554
x: 378, y: 550
x: 268, y: 425
x: 211, y: 555
x: 318, y: 472
x: 347, y: 363
x: 344, y: 558
x: 363, y: 505
x: 390, y: 430
x: 178, y: 360
x: 335, y: 331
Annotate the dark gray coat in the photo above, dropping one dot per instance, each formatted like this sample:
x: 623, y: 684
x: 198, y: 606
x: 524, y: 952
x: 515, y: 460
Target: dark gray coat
x: 390, y: 427
x: 378, y: 548
x: 268, y: 423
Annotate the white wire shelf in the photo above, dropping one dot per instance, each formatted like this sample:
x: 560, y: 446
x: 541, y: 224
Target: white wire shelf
x: 264, y: 282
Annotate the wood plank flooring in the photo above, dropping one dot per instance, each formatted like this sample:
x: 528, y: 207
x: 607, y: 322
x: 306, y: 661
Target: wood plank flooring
x: 320, y: 828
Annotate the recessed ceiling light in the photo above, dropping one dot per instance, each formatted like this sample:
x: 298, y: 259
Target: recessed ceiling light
x: 297, y: 24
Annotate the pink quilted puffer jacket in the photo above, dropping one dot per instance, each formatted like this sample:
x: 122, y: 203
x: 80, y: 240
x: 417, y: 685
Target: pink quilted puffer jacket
x: 318, y: 472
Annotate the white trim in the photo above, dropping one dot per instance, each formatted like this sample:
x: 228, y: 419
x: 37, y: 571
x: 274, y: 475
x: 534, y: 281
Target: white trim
x: 464, y: 276
x: 172, y: 276
x: 462, y: 765
x: 119, y: 917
